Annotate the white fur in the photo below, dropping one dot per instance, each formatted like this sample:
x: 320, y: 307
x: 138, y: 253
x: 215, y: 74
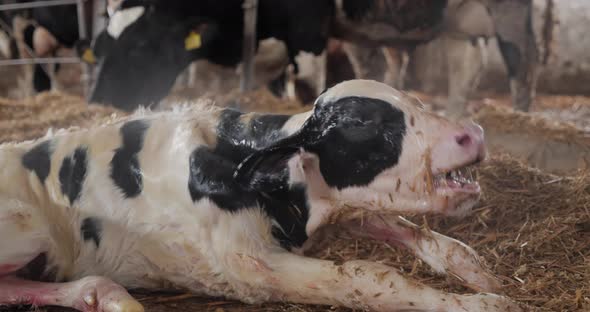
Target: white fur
x: 121, y: 19
x: 4, y: 46
x: 362, y: 88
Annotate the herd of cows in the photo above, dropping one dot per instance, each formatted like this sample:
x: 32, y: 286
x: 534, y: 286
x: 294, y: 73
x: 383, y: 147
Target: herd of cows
x: 148, y: 43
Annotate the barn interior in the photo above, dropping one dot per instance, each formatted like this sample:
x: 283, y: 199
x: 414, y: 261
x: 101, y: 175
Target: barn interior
x: 529, y: 90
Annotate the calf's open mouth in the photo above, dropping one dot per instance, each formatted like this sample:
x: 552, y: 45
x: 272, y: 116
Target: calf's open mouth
x: 462, y: 179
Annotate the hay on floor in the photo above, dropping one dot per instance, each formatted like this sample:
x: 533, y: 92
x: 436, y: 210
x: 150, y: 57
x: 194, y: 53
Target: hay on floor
x: 31, y: 118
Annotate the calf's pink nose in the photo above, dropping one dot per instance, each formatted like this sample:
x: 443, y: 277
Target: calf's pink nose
x: 471, y: 139
x: 463, y: 140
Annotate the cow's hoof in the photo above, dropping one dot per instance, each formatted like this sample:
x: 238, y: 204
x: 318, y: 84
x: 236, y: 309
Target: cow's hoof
x: 100, y: 294
x: 126, y: 305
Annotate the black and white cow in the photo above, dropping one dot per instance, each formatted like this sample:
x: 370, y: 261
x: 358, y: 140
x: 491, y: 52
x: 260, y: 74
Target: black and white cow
x: 224, y: 203
x: 305, y: 27
x: 144, y: 45
x: 124, y: 61
x: 50, y: 28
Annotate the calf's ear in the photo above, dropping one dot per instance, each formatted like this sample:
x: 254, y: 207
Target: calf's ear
x: 266, y: 170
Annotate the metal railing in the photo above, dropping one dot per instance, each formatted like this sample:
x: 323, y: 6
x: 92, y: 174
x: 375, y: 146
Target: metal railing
x: 40, y: 60
x: 82, y: 34
x: 35, y: 4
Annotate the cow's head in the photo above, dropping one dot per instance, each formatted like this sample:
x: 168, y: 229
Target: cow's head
x: 141, y: 54
x: 367, y: 148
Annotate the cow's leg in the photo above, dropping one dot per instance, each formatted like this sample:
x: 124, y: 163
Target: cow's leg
x: 397, y: 61
x: 442, y: 253
x: 89, y: 294
x: 464, y: 68
x: 312, y: 72
x: 393, y: 59
x: 368, y: 62
x: 355, y: 60
x: 517, y: 44
x: 405, y: 61
x: 312, y: 68
x: 41, y: 79
x: 362, y: 284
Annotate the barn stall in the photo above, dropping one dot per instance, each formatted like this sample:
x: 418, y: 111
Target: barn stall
x: 532, y: 226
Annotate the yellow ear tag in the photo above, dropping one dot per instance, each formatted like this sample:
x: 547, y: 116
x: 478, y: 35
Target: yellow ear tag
x: 192, y: 41
x: 88, y: 56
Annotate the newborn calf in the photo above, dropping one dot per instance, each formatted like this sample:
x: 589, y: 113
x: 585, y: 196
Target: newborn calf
x: 223, y: 203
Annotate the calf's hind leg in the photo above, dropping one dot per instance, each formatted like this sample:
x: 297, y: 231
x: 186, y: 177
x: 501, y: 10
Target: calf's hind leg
x: 89, y: 294
x: 24, y: 235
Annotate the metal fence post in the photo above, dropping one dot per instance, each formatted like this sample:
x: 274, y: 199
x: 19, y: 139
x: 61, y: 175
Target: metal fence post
x: 82, y: 33
x: 250, y: 16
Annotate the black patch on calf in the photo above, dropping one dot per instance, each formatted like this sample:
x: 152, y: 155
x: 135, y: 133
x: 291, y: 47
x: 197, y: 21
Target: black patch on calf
x: 36, y: 270
x: 356, y: 139
x: 238, y: 139
x: 72, y: 174
x: 211, y: 171
x: 291, y: 212
x: 125, y: 170
x: 511, y: 55
x: 38, y: 159
x: 211, y: 175
x: 91, y: 229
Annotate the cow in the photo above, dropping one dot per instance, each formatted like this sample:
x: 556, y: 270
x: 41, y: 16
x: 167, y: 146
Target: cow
x: 277, y: 19
x: 130, y: 82
x: 47, y: 30
x: 225, y: 203
x: 306, y: 26
x: 462, y: 23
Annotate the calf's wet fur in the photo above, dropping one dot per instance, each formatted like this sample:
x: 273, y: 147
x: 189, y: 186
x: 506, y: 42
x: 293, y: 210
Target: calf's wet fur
x: 222, y: 203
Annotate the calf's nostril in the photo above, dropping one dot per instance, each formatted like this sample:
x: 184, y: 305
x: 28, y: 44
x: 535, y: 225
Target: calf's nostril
x: 463, y: 140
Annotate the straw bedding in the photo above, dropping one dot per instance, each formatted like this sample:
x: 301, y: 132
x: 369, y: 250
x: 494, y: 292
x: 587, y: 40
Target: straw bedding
x: 31, y: 118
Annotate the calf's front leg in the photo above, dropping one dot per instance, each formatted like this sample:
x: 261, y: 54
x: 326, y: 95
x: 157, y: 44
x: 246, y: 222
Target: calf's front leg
x: 442, y: 253
x: 365, y: 285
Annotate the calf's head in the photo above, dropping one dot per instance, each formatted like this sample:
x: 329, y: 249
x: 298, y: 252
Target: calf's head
x: 367, y: 148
